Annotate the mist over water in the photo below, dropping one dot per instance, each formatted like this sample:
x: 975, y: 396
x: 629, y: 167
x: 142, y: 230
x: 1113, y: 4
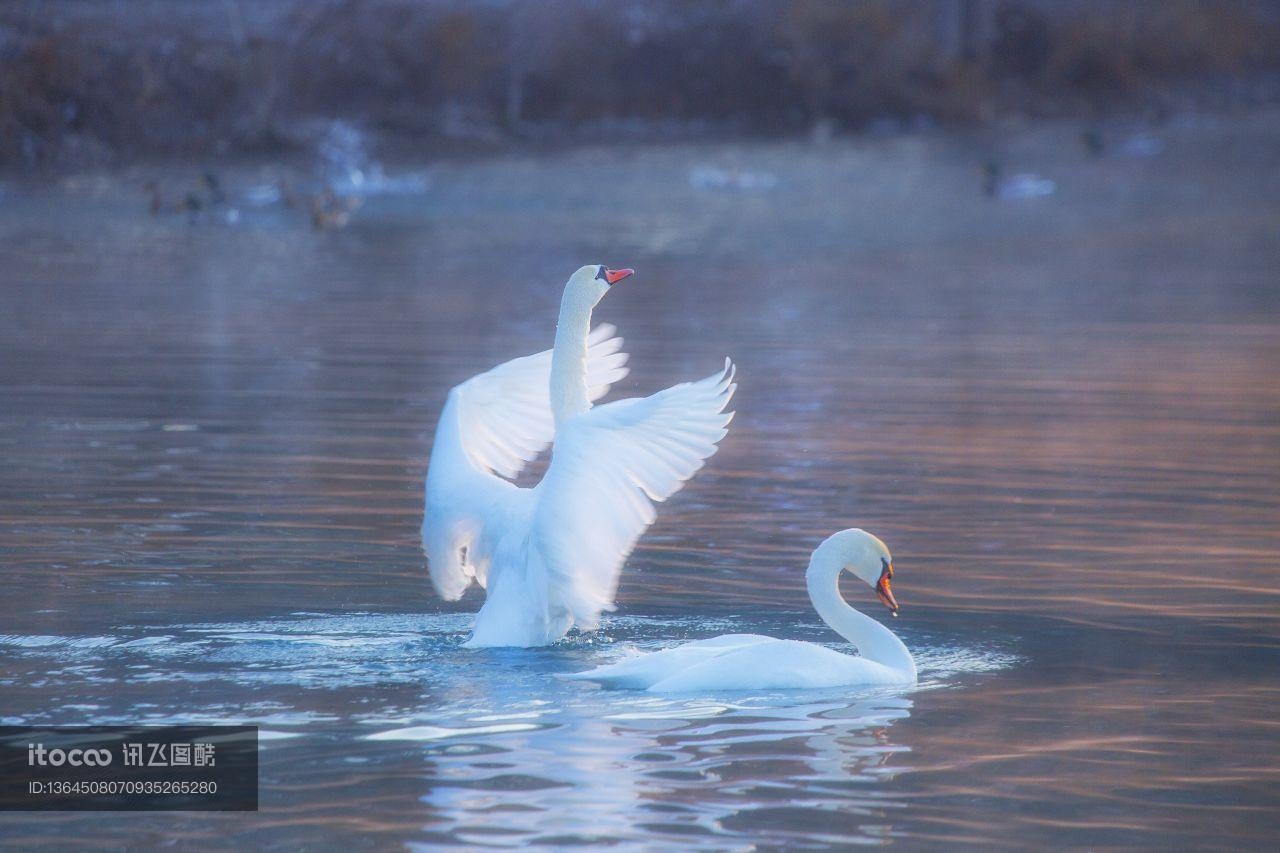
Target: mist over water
x: 1060, y: 413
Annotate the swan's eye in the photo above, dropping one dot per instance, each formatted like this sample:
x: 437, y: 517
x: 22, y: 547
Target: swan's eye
x: 886, y: 567
x: 600, y: 272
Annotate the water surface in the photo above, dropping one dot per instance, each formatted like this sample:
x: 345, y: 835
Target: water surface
x: 1061, y: 413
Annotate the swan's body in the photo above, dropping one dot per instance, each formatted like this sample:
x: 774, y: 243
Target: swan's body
x: 756, y: 662
x: 550, y: 556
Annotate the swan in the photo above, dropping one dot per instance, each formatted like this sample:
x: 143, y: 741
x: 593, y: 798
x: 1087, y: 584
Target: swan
x: 549, y: 557
x: 756, y: 662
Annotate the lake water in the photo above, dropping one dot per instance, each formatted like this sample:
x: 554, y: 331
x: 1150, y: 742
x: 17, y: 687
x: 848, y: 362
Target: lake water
x: 1062, y: 413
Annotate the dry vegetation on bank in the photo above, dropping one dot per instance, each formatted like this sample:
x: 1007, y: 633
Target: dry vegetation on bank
x: 92, y: 82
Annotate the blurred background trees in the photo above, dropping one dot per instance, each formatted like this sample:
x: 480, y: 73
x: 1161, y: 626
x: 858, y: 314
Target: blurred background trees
x: 85, y: 81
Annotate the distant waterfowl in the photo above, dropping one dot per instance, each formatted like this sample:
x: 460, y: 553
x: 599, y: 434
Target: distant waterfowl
x: 1141, y: 145
x: 193, y: 205
x: 213, y: 188
x: 280, y: 191
x: 757, y: 662
x: 550, y: 556
x: 195, y: 202
x: 331, y: 211
x: 715, y: 178
x: 1017, y: 186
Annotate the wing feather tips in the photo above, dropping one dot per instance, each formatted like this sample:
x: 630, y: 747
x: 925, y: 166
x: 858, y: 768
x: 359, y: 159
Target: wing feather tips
x: 726, y: 386
x: 602, y: 332
x: 608, y: 472
x: 606, y: 363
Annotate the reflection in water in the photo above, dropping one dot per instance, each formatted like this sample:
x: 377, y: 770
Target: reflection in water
x: 498, y: 733
x: 692, y: 771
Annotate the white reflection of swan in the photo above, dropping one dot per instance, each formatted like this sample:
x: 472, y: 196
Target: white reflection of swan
x: 754, y: 661
x: 603, y: 771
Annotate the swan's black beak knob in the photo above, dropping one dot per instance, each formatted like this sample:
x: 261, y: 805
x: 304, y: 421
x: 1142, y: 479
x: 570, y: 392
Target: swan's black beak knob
x: 613, y: 276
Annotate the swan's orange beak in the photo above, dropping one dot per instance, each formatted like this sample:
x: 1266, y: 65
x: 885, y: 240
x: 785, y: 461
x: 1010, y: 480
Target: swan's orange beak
x: 615, y: 276
x: 885, y: 593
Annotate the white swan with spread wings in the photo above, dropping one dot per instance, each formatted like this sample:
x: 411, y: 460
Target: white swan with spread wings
x: 550, y: 556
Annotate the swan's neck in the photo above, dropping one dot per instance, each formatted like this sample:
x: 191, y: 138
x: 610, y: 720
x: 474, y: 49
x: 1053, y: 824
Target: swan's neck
x: 569, y: 357
x: 874, y: 641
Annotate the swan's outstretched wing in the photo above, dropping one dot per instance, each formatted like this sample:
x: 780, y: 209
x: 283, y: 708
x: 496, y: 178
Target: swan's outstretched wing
x: 607, y: 467
x: 490, y: 427
x: 505, y: 413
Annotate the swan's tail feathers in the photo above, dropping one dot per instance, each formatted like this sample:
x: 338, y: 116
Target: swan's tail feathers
x: 609, y: 467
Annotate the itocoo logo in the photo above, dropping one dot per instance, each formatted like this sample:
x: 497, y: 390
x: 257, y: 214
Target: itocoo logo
x: 37, y: 754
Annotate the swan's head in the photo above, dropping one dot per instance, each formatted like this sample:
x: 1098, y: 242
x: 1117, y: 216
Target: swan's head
x: 864, y: 555
x: 594, y: 281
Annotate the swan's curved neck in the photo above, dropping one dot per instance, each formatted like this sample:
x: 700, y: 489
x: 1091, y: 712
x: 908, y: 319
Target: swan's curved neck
x: 874, y: 641
x: 569, y: 357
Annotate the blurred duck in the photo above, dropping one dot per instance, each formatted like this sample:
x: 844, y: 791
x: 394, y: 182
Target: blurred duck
x: 1017, y: 186
x: 193, y: 204
x: 206, y: 194
x: 331, y: 211
x: 212, y: 188
x: 757, y: 662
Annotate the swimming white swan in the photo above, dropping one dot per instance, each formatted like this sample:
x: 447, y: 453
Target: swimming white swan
x: 550, y: 556
x: 755, y: 662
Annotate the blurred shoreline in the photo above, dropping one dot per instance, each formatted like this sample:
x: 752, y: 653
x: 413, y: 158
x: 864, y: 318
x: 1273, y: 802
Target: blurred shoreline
x: 96, y: 84
x: 1053, y: 194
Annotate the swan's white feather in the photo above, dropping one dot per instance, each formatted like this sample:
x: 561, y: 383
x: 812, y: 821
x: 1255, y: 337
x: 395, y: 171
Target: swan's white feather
x: 608, y: 466
x: 505, y: 413
x: 740, y: 662
x: 643, y: 671
x: 776, y: 665
x: 491, y: 426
